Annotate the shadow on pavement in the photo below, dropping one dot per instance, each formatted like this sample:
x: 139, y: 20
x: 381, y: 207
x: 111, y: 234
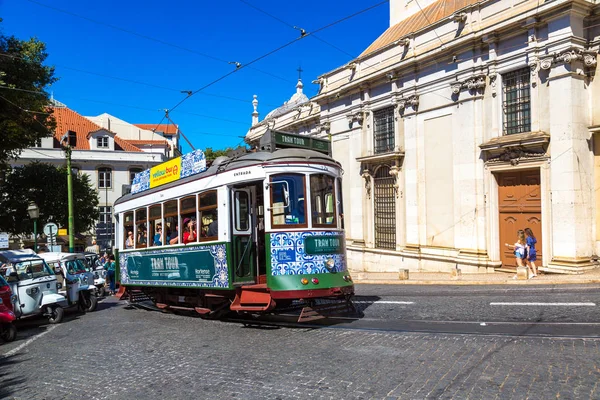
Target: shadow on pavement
x: 9, y: 380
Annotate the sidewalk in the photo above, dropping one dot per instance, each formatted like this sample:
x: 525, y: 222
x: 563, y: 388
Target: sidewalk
x: 498, y: 278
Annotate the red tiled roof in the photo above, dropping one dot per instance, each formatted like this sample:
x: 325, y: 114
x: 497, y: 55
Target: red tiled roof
x: 148, y: 142
x: 124, y: 145
x: 69, y: 120
x: 168, y: 129
x: 435, y: 12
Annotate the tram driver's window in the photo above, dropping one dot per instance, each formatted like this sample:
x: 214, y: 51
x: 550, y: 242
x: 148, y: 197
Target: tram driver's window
x: 141, y: 230
x: 155, y: 232
x: 288, y: 206
x: 189, y: 229
x: 209, y: 222
x: 171, y: 228
x: 322, y: 199
x: 128, y: 233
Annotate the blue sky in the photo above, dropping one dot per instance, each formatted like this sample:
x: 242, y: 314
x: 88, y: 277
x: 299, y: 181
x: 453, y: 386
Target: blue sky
x: 228, y: 30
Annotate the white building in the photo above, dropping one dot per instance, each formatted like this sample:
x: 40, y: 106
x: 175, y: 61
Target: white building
x: 110, y: 161
x: 160, y: 139
x: 463, y: 122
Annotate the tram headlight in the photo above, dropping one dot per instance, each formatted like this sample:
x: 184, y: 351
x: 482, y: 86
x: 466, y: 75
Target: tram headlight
x: 330, y: 264
x: 304, y: 281
x: 315, y: 281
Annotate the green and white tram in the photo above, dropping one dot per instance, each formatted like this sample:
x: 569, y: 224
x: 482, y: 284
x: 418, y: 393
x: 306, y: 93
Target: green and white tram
x: 250, y: 233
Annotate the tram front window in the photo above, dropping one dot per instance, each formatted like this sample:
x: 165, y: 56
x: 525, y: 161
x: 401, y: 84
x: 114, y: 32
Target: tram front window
x: 287, y: 200
x: 322, y: 198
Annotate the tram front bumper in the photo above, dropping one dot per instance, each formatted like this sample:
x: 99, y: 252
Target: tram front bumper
x: 343, y: 291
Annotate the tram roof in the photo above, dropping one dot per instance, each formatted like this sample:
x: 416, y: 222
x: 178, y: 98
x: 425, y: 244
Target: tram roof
x: 246, y: 160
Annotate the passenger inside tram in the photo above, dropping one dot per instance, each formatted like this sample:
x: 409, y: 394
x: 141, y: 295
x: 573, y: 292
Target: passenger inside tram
x: 189, y: 233
x: 210, y: 228
x: 174, y: 238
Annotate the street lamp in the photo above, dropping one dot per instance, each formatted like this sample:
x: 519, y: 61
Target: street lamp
x: 34, y: 214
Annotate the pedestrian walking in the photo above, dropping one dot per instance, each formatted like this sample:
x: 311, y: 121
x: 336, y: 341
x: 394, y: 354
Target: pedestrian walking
x: 94, y: 248
x: 110, y: 273
x: 531, y: 251
x: 520, y: 249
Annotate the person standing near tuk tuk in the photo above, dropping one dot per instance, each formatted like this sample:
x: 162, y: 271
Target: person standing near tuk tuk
x: 94, y: 248
x: 110, y: 271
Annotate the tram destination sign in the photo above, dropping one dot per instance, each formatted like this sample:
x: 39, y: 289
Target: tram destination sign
x: 280, y: 140
x: 315, y: 245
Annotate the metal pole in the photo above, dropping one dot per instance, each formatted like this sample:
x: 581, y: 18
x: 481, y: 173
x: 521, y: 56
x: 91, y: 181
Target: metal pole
x: 35, y: 235
x: 70, y: 201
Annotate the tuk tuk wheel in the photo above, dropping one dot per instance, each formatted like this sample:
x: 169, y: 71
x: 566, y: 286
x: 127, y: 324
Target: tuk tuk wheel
x: 102, y: 292
x: 56, y: 315
x: 91, y: 303
x: 8, y: 332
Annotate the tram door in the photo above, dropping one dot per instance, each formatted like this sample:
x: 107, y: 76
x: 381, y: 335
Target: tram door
x: 243, y: 243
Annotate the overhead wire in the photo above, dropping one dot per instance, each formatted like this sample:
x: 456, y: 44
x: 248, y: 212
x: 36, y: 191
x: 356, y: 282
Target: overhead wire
x: 134, y: 33
x: 134, y: 81
x: 125, y: 105
x: 295, y: 27
x: 302, y: 36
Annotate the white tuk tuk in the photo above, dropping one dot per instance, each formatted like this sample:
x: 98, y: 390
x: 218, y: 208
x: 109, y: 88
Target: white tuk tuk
x: 33, y: 284
x: 77, y: 281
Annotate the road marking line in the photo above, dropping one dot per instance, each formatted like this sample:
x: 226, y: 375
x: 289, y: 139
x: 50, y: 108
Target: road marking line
x: 545, y: 304
x: 27, y: 343
x: 383, y: 302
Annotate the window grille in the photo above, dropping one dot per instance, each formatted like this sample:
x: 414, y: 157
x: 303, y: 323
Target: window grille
x: 102, y: 141
x: 384, y: 130
x: 105, y: 214
x: 385, y: 209
x: 104, y: 178
x: 517, y: 101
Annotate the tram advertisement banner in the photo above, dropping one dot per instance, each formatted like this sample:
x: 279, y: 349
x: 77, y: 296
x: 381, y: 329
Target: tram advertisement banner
x: 170, y: 171
x: 204, y: 266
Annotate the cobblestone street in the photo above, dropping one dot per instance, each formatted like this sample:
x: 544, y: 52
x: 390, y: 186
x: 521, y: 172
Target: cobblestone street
x: 118, y: 352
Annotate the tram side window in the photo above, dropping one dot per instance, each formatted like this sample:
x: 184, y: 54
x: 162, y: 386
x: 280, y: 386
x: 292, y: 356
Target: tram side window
x: 288, y: 206
x: 322, y: 199
x: 155, y: 232
x: 128, y: 226
x: 207, y: 207
x: 141, y: 230
x: 171, y: 222
x: 187, y: 208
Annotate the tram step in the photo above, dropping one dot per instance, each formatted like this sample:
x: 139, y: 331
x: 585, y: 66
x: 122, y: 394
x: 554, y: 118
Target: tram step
x: 253, y: 299
x: 135, y: 296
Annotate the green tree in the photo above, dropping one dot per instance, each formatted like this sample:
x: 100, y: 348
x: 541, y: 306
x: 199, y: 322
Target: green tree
x: 45, y: 185
x: 24, y: 114
x: 211, y: 154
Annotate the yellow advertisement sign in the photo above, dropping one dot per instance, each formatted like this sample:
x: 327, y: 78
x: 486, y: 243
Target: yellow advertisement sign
x: 166, y: 172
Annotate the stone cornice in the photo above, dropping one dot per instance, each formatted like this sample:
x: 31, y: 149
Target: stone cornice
x: 495, y: 31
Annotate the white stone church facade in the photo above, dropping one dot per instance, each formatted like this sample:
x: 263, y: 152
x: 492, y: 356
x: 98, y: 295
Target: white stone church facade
x: 463, y: 122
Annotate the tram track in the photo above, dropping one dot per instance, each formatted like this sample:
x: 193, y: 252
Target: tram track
x: 531, y: 329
